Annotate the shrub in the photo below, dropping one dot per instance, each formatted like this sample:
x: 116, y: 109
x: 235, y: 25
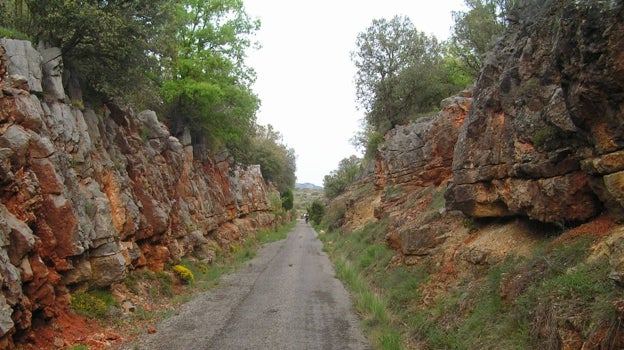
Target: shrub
x: 316, y: 211
x: 184, y: 273
x: 79, y: 347
x: 164, y: 287
x: 88, y: 304
x: 12, y: 34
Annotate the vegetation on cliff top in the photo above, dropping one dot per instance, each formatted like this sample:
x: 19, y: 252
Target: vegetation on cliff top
x: 403, y: 73
x: 184, y: 59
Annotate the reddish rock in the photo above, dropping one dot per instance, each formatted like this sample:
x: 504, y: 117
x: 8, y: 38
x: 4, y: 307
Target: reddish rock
x: 542, y: 122
x: 414, y: 162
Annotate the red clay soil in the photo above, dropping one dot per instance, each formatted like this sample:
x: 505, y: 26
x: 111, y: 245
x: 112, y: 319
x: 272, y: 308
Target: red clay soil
x: 598, y: 228
x: 66, y: 330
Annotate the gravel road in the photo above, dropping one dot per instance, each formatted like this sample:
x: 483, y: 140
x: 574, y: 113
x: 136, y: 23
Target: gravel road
x: 285, y: 298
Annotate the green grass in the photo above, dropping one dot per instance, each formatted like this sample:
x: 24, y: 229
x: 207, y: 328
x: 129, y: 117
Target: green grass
x: 555, y: 286
x: 360, y: 259
x: 94, y: 303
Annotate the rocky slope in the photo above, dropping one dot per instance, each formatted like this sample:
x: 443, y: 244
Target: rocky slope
x: 90, y: 194
x: 536, y: 148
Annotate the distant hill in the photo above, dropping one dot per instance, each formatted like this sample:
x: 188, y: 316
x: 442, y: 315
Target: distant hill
x: 308, y: 185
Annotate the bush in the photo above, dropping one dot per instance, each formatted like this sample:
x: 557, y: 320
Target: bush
x: 184, y: 273
x: 88, y: 304
x: 316, y: 211
x: 12, y: 34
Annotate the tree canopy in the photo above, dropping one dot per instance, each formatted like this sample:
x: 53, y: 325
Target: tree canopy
x: 338, y: 180
x: 401, y: 73
x: 108, y: 45
x: 209, y: 89
x: 475, y: 29
x: 277, y: 161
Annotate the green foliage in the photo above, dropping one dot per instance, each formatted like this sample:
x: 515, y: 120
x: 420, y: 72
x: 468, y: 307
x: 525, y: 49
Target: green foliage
x: 276, y: 204
x: 367, y: 140
x: 209, y: 86
x: 277, y: 161
x: 288, y: 199
x: 108, y: 45
x: 12, y: 33
x: 316, y: 210
x: 372, y: 145
x: 339, y: 180
x: 401, y: 73
x: 333, y: 217
x: 164, y: 287
x: 474, y: 31
x: 79, y: 347
x: 88, y: 305
x: 543, y: 136
x: 92, y: 303
x: 144, y: 134
x: 15, y: 19
x: 305, y: 196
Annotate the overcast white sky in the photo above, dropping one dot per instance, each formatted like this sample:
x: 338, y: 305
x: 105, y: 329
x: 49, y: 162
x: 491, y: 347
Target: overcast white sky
x: 305, y: 73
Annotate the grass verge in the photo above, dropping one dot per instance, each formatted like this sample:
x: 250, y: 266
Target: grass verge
x: 557, y: 297
x: 380, y: 292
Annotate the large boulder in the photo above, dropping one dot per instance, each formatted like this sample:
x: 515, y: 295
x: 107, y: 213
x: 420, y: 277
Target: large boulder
x: 24, y: 61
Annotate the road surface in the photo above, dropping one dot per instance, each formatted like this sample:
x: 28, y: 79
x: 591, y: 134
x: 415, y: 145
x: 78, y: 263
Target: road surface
x: 285, y: 298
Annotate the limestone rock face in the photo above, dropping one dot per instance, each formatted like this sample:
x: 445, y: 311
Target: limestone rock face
x: 544, y: 136
x: 413, y: 166
x: 85, y: 197
x: 24, y: 61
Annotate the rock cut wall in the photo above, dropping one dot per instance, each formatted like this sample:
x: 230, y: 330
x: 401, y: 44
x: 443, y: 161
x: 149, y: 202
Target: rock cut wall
x: 545, y: 138
x: 86, y: 196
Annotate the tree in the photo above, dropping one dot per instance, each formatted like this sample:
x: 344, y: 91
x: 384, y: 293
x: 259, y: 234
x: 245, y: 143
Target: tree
x: 339, y: 180
x: 288, y: 199
x: 400, y: 73
x: 316, y: 210
x: 108, y: 45
x: 475, y: 29
x: 277, y: 161
x: 209, y: 89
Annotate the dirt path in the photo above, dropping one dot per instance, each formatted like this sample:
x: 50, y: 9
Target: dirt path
x: 285, y: 298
